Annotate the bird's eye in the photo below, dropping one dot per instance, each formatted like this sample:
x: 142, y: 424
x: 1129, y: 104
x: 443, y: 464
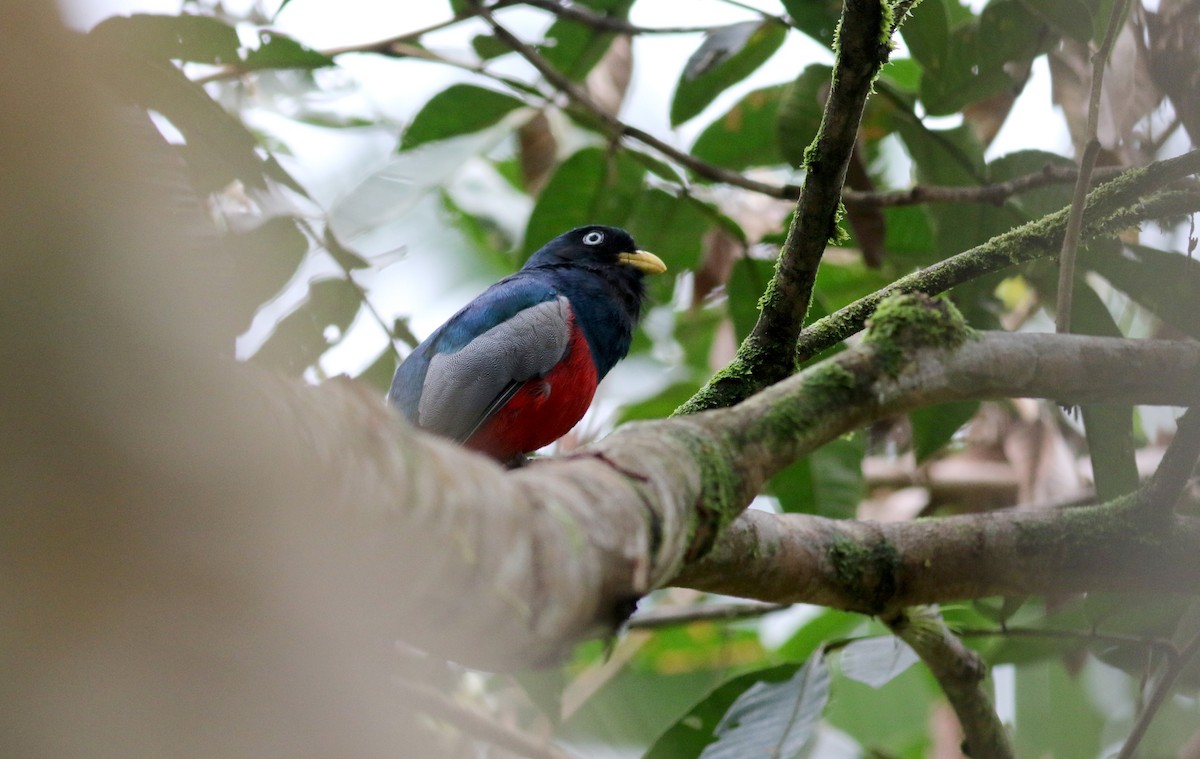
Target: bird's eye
x: 593, y: 238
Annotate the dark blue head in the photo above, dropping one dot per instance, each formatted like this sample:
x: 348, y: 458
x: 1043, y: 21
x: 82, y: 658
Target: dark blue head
x: 600, y: 270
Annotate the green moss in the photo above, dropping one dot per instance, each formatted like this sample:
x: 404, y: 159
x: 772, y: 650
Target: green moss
x: 865, y: 572
x: 904, y: 322
x: 720, y: 493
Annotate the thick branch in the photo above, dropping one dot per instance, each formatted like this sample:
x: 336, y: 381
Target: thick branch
x: 881, y: 568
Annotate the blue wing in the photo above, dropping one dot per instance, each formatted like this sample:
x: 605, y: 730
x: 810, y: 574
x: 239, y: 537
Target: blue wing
x: 464, y: 372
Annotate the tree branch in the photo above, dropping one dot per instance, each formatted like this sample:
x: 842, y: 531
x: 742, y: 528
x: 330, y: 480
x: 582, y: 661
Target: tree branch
x: 959, y: 671
x: 766, y: 355
x: 1070, y: 243
x: 1162, y: 491
x: 1111, y: 208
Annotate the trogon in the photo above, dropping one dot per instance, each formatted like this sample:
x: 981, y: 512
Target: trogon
x: 517, y: 367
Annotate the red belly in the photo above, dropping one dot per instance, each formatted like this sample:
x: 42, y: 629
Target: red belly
x: 543, y: 409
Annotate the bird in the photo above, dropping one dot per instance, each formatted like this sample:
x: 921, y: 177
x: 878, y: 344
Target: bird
x: 517, y: 367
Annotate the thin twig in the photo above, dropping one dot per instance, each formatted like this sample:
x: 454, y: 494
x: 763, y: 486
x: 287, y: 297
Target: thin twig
x: 588, y: 17
x: 1161, y: 492
x: 1165, y: 647
x: 1070, y: 245
x: 713, y: 612
x: 1161, y: 691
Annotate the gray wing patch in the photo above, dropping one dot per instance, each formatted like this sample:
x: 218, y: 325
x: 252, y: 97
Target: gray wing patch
x: 461, y: 387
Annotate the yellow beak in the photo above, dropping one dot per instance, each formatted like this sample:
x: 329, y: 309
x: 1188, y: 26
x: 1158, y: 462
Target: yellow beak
x: 644, y: 261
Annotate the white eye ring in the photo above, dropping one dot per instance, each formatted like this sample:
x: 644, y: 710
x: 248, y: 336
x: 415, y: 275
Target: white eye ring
x: 593, y: 238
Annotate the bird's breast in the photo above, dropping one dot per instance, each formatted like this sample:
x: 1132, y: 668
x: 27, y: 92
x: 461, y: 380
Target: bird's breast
x: 544, y: 408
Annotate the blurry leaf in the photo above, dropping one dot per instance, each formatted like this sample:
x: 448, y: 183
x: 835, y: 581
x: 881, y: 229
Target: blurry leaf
x: 379, y: 374
x: 1109, y: 427
x: 487, y: 46
x: 1035, y: 203
x: 877, y: 661
x: 662, y: 405
x: 829, y: 624
x: 573, y: 48
x: 688, y: 737
x: 746, y: 135
x: 934, y: 426
x: 459, y: 109
x: 1166, y: 283
x: 199, y: 39
x: 747, y: 283
x: 1070, y: 18
x: 828, y: 481
x: 774, y: 719
x: 345, y: 258
x: 632, y: 708
x: 671, y: 226
x: 801, y: 110
x: 590, y: 187
x: 1056, y: 714
x: 727, y: 56
x: 277, y: 51
x: 816, y: 18
x: 927, y: 33
x: 897, y: 715
x: 298, y: 340
x: 265, y: 258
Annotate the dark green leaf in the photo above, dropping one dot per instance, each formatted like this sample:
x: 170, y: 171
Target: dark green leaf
x: 1165, y: 283
x: 746, y: 135
x: 688, y: 737
x: 379, y: 374
x: 1035, y: 203
x: 457, y: 110
x: 1056, y: 715
x: 774, y: 719
x: 662, y: 405
x: 199, y: 39
x: 726, y: 57
x: 488, y: 47
x: 827, y: 482
x: 590, y: 187
x: 573, y: 48
x: 747, y: 283
x: 876, y: 661
x: 934, y: 426
x: 800, y: 112
x: 816, y: 18
x: 265, y: 259
x: 299, y: 339
x: 277, y: 51
x: 673, y: 227
x: 927, y: 34
x: 1070, y: 18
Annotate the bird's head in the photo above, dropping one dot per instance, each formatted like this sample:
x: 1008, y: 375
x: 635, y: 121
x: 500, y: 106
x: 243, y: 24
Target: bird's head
x: 593, y: 246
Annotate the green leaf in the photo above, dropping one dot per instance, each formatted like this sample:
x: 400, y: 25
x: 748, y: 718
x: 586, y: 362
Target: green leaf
x: 198, y: 39
x: 1035, y: 203
x: 573, y: 48
x: 379, y: 374
x: 727, y: 56
x: 827, y: 482
x: 457, y: 110
x: 801, y: 110
x: 1070, y: 18
x: 1055, y: 714
x: 1165, y: 283
x: 774, y: 719
x: 487, y: 46
x: 590, y: 187
x: 747, y: 283
x: 746, y: 135
x: 934, y: 426
x: 688, y: 737
x: 816, y: 18
x: 927, y: 34
x: 278, y: 51
x: 672, y: 227
x: 1109, y: 428
x: 265, y: 259
x: 876, y: 661
x: 298, y: 340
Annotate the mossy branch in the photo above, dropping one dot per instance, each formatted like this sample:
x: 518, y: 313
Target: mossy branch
x: 765, y: 356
